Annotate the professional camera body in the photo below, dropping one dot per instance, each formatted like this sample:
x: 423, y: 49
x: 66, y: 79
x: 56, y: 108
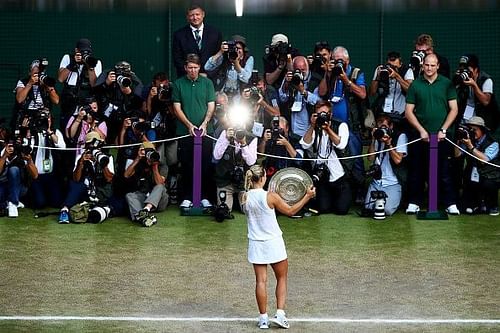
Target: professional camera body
x: 320, y: 173
x: 465, y: 132
x: 380, y: 132
x: 322, y: 119
x: 276, y: 131
x: 337, y: 66
x: 123, y: 74
x: 152, y: 155
x: 379, y: 206
x: 222, y: 212
x: 461, y: 75
x: 40, y: 121
x: 237, y: 175
x: 417, y: 60
x: 43, y: 63
x: 164, y: 92
x: 297, y: 78
x: 94, y: 148
x: 374, y: 171
x: 88, y: 58
x: 280, y: 50
x: 232, y: 52
x: 255, y: 94
x: 142, y: 126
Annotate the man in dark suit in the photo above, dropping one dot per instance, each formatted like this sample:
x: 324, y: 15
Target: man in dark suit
x: 197, y: 38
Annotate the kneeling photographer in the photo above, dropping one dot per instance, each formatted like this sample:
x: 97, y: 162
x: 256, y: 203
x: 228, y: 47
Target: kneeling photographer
x: 387, y: 170
x: 149, y: 176
x: 481, y: 180
x: 333, y: 192
x: 235, y: 151
x: 92, y: 179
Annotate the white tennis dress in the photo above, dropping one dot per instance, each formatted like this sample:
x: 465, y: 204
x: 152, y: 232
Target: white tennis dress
x: 265, y: 240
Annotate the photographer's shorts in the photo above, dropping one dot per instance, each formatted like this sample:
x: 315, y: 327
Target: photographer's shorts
x: 266, y: 252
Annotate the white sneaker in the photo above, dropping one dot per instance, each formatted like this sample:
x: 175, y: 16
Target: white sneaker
x: 263, y: 323
x: 205, y: 203
x: 280, y: 320
x: 20, y: 205
x: 453, y: 210
x: 186, y: 204
x: 12, y: 210
x: 412, y: 209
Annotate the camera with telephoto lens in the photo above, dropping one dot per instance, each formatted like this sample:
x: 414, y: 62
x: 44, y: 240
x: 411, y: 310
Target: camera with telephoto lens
x: 152, y: 155
x: 40, y: 121
x: 379, y: 206
x: 322, y: 118
x: 280, y: 49
x: 142, y: 126
x: 320, y: 173
x: 42, y: 76
x: 374, y: 171
x: 164, y: 92
x: 297, y: 78
x: 461, y: 75
x: 315, y: 61
x: 380, y: 132
x: 254, y: 94
x: 385, y: 72
x: 337, y: 66
x: 222, y: 211
x: 100, y: 157
x: 232, y: 52
x: 417, y: 60
x: 276, y: 131
x: 98, y: 214
x: 464, y: 133
x: 88, y: 58
x: 21, y: 144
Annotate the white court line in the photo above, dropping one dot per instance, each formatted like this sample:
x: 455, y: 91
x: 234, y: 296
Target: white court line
x: 238, y: 319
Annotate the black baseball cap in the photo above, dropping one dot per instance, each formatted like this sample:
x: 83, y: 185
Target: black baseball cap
x: 393, y: 55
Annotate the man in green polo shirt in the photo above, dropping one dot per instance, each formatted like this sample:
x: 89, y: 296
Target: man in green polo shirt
x: 431, y: 107
x: 194, y: 103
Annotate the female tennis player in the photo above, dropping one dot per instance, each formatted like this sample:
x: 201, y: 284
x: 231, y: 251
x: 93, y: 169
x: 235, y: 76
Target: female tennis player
x: 265, y: 241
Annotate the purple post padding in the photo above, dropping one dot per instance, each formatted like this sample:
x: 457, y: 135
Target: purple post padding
x: 433, y: 173
x: 197, y: 168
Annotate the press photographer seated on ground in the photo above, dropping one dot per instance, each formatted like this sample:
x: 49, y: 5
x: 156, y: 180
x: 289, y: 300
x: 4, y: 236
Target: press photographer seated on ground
x: 387, y: 170
x: 16, y: 171
x: 481, y: 180
x: 235, y: 151
x: 333, y: 192
x: 92, y: 178
x: 149, y: 193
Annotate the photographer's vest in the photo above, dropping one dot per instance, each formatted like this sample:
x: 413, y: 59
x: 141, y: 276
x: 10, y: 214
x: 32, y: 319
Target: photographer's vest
x: 355, y: 105
x: 490, y: 113
x: 72, y: 96
x: 226, y: 165
x: 379, y: 102
x: 21, y: 109
x: 485, y: 171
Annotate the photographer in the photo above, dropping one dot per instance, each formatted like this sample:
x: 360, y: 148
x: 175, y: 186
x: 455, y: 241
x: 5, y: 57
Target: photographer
x: 34, y: 92
x: 425, y: 44
x: 344, y: 86
x: 475, y: 95
x: 390, y: 84
x: 78, y: 72
x: 321, y: 141
x: 118, y: 91
x: 149, y: 176
x: 235, y: 151
x: 268, y: 105
x: 92, y: 178
x: 46, y: 188
x: 387, y: 170
x: 87, y: 119
x: 16, y: 171
x: 231, y: 66
x: 297, y: 92
x: 278, y: 60
x: 276, y: 142
x: 481, y: 180
x: 318, y: 61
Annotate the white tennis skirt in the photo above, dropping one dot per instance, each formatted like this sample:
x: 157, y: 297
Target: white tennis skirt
x: 266, y: 252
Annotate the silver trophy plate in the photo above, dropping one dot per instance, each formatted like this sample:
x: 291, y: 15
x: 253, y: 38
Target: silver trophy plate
x: 291, y: 184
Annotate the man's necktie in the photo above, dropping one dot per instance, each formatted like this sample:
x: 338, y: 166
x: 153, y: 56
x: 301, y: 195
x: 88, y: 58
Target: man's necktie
x: 197, y: 37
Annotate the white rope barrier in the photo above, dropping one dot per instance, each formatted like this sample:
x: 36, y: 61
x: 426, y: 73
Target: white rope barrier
x: 472, y: 155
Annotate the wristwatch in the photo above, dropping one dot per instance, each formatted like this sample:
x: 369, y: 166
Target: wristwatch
x: 442, y: 130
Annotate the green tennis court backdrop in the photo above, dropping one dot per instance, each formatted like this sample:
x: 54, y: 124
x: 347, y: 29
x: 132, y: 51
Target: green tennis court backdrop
x: 144, y: 38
